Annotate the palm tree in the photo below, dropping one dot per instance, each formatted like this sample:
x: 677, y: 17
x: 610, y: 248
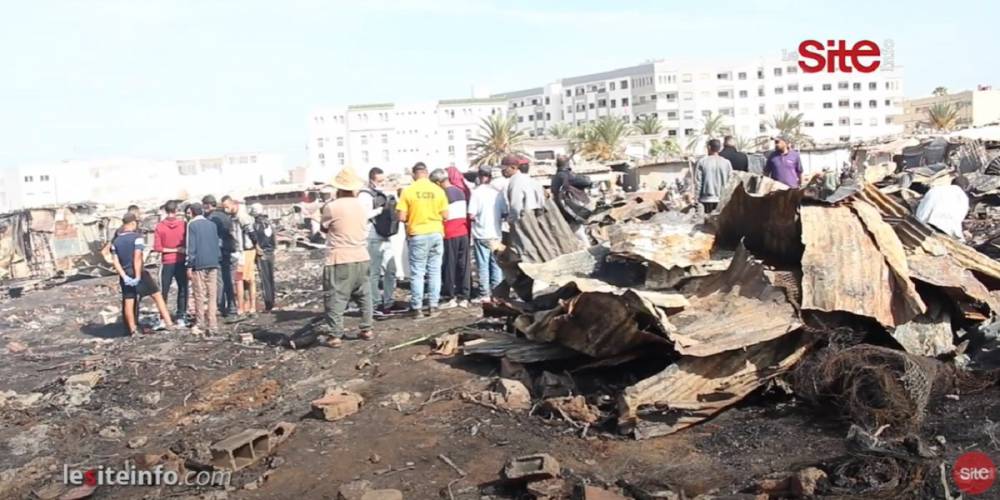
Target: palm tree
x: 601, y: 140
x: 943, y: 116
x: 498, y: 137
x: 939, y: 91
x: 790, y: 126
x: 561, y: 130
x: 660, y: 149
x: 744, y: 143
x: 648, y: 125
x: 711, y: 126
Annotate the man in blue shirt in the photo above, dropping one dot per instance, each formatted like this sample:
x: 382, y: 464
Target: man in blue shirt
x: 783, y: 164
x: 126, y: 256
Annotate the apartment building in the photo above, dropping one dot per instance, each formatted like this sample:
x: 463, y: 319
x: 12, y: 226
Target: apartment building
x: 126, y: 180
x: 395, y: 136
x: 835, y: 106
x: 975, y: 108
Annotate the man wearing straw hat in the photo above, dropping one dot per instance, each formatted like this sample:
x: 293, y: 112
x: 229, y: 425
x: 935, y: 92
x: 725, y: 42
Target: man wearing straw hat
x: 345, y: 276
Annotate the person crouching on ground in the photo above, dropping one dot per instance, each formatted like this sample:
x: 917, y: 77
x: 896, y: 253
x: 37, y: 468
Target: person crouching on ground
x: 345, y: 275
x: 126, y: 256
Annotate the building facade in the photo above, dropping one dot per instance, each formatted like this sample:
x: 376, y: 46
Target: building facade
x: 127, y: 180
x: 395, y: 136
x: 975, y: 108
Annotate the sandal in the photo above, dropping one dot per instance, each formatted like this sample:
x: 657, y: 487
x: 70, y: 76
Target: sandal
x: 334, y: 342
x: 366, y: 335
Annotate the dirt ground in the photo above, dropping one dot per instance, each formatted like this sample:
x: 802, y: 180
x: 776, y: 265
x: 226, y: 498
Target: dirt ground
x: 183, y: 393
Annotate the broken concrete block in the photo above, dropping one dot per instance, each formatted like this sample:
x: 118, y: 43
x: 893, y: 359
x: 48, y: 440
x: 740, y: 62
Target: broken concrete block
x: 532, y: 468
x: 245, y: 448
x: 446, y: 345
x: 515, y: 395
x: 549, y: 488
x: 88, y: 379
x: 573, y: 408
x: 382, y: 495
x: 337, y: 404
x: 353, y: 490
x: 595, y: 493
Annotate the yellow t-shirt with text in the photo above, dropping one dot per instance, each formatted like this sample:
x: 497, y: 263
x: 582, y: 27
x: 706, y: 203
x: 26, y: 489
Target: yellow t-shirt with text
x: 423, y: 201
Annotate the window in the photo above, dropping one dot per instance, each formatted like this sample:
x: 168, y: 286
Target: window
x: 687, y: 96
x: 602, y: 103
x: 569, y: 109
x: 793, y: 87
x: 579, y: 91
x: 614, y: 103
x: 760, y: 73
x: 531, y: 118
x: 591, y: 105
x: 611, y: 85
x: 624, y: 102
x: 761, y: 110
x: 843, y: 103
x: 723, y: 76
x: 794, y: 105
x: 742, y: 75
x: 652, y: 97
x: 29, y: 178
x: 689, y: 115
x: 385, y: 138
x: 844, y: 121
x: 642, y: 99
x: 779, y: 90
x: 726, y: 111
x: 44, y: 178
x: 624, y: 84
x: 777, y: 71
x: 546, y: 100
x: 451, y: 135
x: 827, y: 86
x: 827, y: 124
x: 725, y: 94
x: 520, y: 119
x: 827, y: 105
x: 340, y: 142
x: 340, y: 155
x: 689, y: 131
x: 538, y: 116
x: 872, y: 86
x: 569, y: 93
x: 808, y: 124
x: 760, y: 91
x: 842, y: 85
x: 364, y: 140
x: 451, y: 150
x: 671, y: 115
x: 807, y: 88
x: 857, y: 104
x: 873, y: 103
x: 873, y: 122
x: 857, y: 86
x: 672, y: 132
x: 888, y: 103
x: 858, y: 122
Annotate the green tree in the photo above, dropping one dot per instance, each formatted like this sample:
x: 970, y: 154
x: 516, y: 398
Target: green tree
x: 603, y: 139
x: 648, y: 125
x: 940, y: 91
x: 942, y: 116
x: 712, y: 126
x: 498, y: 136
x: 561, y: 131
x: 789, y: 125
x: 661, y: 149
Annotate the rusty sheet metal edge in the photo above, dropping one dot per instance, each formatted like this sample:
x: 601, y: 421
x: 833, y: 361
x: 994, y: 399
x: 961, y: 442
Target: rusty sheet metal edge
x: 667, y: 245
x: 539, y: 238
x: 842, y: 268
x: 737, y: 308
x: 694, y: 389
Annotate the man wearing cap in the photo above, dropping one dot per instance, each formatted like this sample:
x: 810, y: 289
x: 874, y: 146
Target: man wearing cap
x: 266, y: 243
x: 487, y: 208
x: 204, y: 255
x: 783, y: 164
x: 345, y: 275
x: 423, y: 207
x: 523, y: 192
x: 127, y: 259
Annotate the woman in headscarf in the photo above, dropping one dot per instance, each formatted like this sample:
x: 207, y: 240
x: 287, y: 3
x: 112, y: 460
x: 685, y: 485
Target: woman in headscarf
x: 455, y: 178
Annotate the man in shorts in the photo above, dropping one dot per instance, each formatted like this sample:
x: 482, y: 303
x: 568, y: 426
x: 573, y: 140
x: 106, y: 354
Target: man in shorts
x: 126, y: 256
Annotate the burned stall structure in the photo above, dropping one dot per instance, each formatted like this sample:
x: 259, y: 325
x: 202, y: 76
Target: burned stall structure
x: 846, y: 302
x: 51, y: 243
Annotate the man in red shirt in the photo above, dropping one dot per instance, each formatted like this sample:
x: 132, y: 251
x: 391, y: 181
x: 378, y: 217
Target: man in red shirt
x: 169, y: 239
x: 456, y: 279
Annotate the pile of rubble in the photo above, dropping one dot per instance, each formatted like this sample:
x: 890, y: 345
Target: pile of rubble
x: 846, y: 300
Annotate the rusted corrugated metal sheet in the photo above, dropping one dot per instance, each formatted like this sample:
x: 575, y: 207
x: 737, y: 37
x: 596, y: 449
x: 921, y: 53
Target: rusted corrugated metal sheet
x: 543, y: 236
x: 843, y: 269
x: 959, y: 283
x: 767, y: 224
x: 668, y: 244
x: 734, y: 309
x: 695, y: 388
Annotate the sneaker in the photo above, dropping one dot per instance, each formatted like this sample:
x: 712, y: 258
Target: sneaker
x: 379, y: 314
x: 432, y: 312
x: 415, y: 313
x: 449, y: 305
x: 463, y: 303
x: 180, y: 323
x: 161, y: 326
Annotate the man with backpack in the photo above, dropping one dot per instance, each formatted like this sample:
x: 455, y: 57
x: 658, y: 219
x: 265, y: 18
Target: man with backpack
x: 383, y: 223
x: 569, y: 195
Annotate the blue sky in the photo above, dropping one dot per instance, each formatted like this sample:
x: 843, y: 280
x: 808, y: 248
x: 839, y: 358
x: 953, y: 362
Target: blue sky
x: 162, y: 79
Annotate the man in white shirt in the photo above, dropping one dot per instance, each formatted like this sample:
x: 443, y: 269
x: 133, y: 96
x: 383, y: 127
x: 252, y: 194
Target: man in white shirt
x: 487, y: 208
x: 945, y: 207
x: 383, y: 262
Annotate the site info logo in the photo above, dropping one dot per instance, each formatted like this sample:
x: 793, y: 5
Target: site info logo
x: 835, y: 56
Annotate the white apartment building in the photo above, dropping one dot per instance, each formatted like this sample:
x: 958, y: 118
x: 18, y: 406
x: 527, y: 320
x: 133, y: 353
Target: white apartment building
x: 126, y: 180
x: 395, y: 136
x: 836, y: 107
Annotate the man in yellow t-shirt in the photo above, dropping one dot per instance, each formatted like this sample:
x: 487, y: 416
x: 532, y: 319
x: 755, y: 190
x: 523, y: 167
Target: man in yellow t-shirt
x: 423, y: 206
